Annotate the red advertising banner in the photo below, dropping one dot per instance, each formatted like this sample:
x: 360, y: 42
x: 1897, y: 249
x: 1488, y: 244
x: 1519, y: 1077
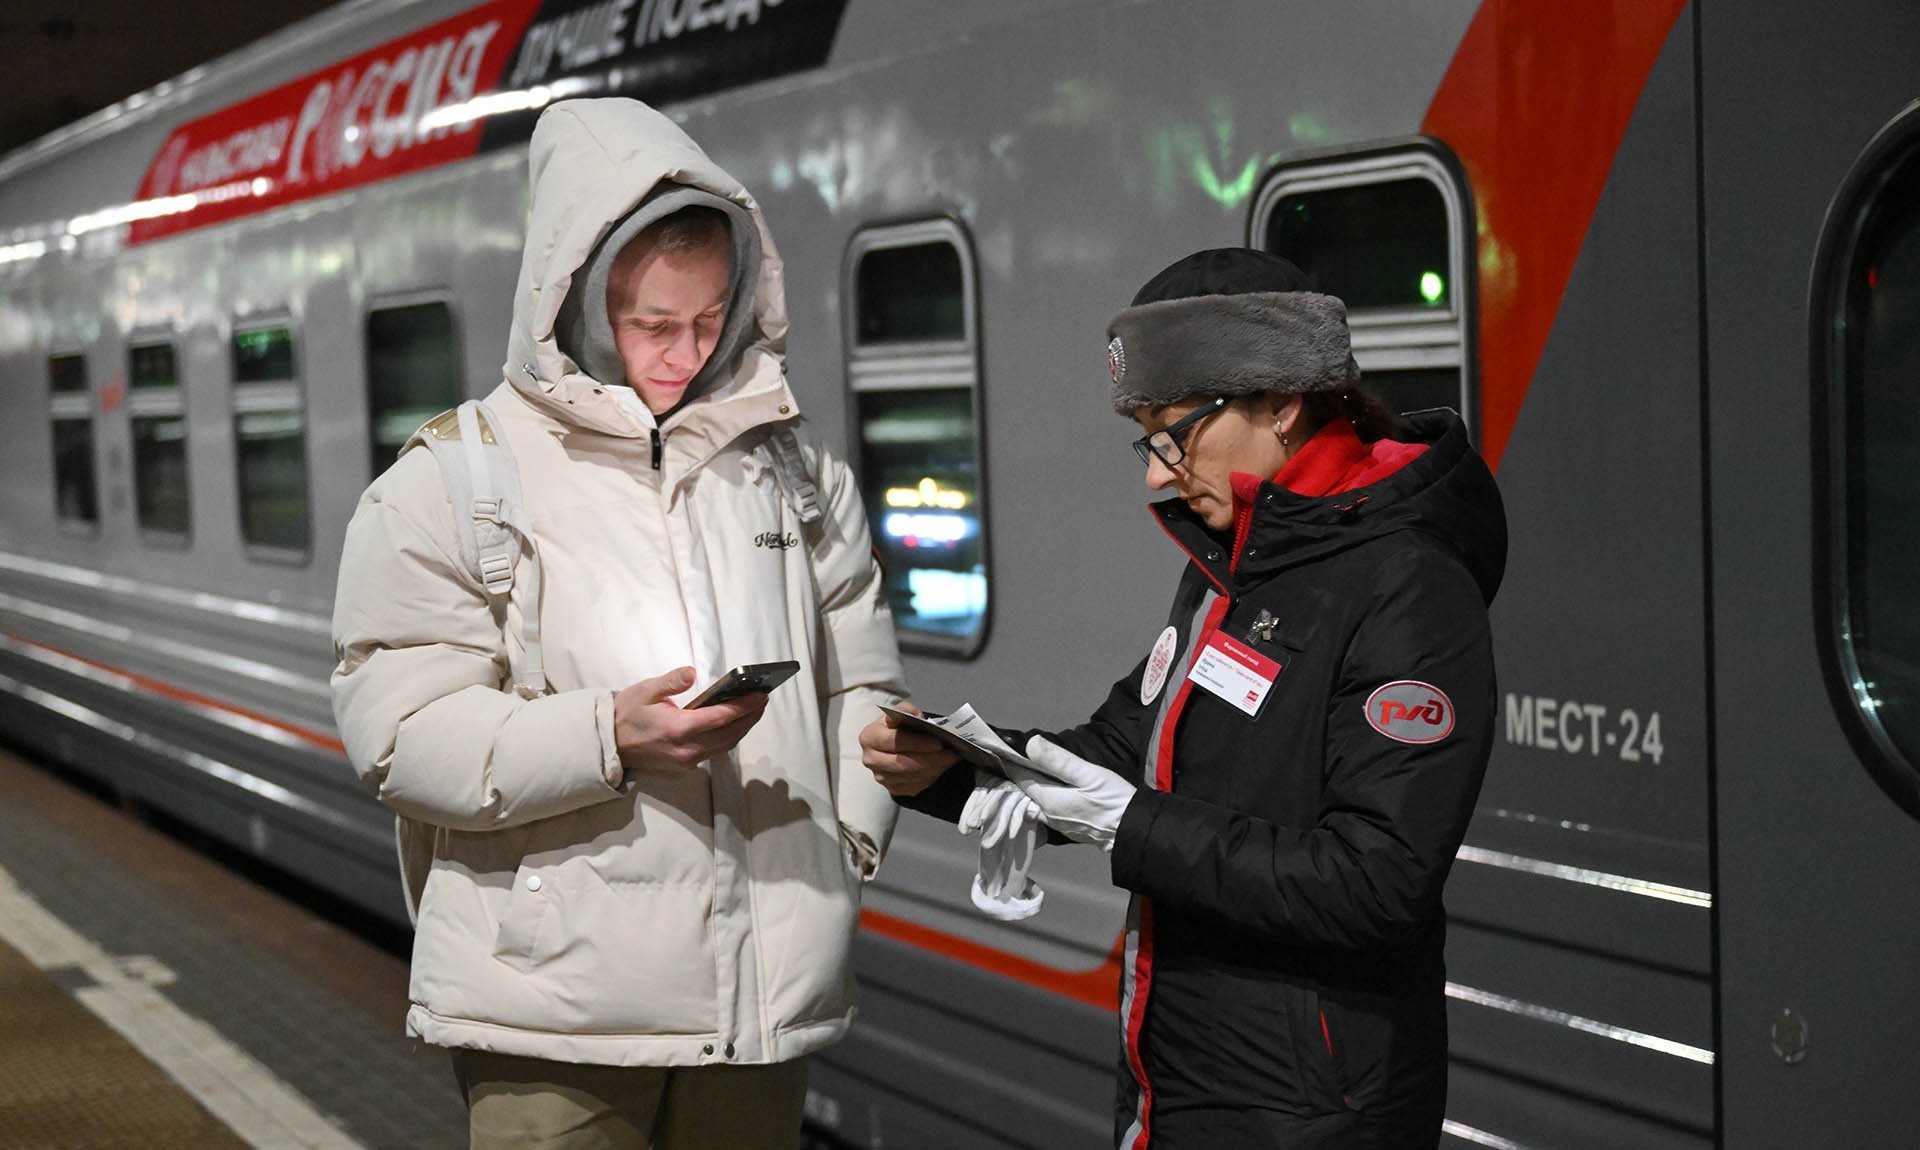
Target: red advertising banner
x: 406, y: 105
x: 436, y: 95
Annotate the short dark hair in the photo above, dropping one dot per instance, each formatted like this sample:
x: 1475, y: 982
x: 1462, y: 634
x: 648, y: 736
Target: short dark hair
x: 1371, y: 417
x: 688, y: 229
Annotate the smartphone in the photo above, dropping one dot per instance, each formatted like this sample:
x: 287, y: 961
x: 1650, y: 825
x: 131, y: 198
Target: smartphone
x: 747, y: 679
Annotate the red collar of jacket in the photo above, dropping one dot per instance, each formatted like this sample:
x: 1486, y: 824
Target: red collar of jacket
x: 1335, y: 460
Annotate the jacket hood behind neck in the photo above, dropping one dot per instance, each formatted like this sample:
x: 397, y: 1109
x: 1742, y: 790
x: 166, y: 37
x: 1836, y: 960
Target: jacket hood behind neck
x: 607, y: 165
x: 1447, y: 492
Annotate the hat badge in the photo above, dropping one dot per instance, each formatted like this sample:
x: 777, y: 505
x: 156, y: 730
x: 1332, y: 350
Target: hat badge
x: 1116, y: 360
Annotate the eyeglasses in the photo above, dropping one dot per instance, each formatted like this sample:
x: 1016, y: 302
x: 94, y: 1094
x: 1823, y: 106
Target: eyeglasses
x: 1169, y: 443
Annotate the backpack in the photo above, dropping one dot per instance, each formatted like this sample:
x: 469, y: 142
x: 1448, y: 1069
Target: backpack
x: 483, y: 484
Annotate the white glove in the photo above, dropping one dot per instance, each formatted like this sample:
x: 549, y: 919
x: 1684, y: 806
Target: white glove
x: 1081, y: 800
x: 1008, y: 824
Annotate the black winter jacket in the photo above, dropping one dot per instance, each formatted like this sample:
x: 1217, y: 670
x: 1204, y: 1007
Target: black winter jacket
x: 1284, y: 982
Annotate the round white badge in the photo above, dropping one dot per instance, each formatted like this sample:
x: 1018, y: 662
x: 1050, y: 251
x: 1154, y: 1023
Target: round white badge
x: 1159, y: 662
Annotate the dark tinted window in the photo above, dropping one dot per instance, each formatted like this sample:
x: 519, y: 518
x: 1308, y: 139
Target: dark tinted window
x: 67, y: 373
x: 152, y: 365
x: 1373, y: 245
x: 413, y: 374
x: 910, y: 293
x: 160, y: 473
x: 75, y: 497
x: 1416, y: 389
x: 273, y: 478
x: 262, y: 354
x: 921, y: 484
x: 270, y: 434
x: 1879, y: 340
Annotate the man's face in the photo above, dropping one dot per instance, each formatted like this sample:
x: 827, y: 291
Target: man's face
x: 667, y: 310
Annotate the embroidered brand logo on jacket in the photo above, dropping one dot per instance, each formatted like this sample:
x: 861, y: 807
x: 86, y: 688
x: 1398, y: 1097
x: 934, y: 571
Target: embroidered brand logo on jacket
x: 776, y: 540
x: 1411, y: 712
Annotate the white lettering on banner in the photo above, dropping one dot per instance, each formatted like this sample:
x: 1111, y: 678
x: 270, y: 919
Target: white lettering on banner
x: 354, y: 114
x: 388, y: 128
x: 576, y: 40
x: 239, y: 155
x: 312, y: 114
x: 668, y: 19
x: 1590, y: 729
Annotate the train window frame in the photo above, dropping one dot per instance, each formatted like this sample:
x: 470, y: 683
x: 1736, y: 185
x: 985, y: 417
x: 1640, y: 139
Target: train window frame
x: 269, y: 397
x: 400, y: 302
x: 942, y: 364
x: 146, y: 402
x: 1835, y: 332
x: 67, y: 405
x: 1401, y: 338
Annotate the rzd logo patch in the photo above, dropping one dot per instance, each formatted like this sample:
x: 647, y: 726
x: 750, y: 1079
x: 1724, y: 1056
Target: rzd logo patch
x: 1410, y: 711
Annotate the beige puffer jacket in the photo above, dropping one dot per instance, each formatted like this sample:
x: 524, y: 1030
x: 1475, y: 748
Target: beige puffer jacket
x: 683, y: 917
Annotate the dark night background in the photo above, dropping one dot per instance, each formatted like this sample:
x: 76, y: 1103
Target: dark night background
x: 64, y: 61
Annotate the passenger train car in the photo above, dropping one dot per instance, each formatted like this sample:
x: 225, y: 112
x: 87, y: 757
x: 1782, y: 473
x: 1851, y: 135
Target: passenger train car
x: 1665, y: 257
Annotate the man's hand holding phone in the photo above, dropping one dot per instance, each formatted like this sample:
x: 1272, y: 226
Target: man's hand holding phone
x: 653, y: 733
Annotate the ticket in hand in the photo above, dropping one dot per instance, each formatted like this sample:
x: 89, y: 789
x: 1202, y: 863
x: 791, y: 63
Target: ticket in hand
x: 965, y: 732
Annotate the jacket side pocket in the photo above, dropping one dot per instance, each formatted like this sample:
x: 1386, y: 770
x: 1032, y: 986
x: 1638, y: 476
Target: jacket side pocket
x: 529, y: 907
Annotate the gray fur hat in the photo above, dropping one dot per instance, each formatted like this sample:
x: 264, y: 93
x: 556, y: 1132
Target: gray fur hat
x: 1228, y: 321
x: 582, y: 329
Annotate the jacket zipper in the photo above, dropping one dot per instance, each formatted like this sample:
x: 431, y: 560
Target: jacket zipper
x: 656, y: 449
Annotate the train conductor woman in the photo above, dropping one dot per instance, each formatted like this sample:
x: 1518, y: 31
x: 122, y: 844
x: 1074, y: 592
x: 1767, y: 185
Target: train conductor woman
x: 1283, y: 780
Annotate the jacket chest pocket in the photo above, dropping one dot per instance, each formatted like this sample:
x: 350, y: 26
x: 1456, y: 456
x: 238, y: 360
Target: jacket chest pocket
x: 756, y: 546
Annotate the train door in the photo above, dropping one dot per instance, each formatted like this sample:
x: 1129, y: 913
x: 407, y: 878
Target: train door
x: 1552, y: 298
x: 1811, y: 361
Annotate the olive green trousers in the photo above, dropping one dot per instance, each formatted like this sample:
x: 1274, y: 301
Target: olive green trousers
x: 533, y: 1104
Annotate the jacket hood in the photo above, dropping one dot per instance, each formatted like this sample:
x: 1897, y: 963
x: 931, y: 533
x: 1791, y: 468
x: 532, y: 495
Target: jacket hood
x: 1447, y: 492
x: 600, y: 170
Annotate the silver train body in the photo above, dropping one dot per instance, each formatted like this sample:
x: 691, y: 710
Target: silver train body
x: 1640, y: 228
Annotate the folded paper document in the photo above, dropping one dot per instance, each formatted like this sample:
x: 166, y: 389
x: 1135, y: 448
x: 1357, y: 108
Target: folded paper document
x: 969, y: 736
x: 1007, y: 822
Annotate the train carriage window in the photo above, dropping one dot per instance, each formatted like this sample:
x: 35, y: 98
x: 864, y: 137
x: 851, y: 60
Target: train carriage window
x: 270, y: 432
x: 159, y: 422
x: 75, y: 492
x: 1866, y: 357
x: 1386, y: 233
x: 914, y: 373
x: 413, y: 374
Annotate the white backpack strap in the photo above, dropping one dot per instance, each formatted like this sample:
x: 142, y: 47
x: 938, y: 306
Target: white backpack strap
x: 483, y: 485
x: 791, y: 466
x: 487, y: 506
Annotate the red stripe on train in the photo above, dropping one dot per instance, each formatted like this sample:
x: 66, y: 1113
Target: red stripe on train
x: 1535, y: 104
x: 1098, y: 986
x: 181, y: 695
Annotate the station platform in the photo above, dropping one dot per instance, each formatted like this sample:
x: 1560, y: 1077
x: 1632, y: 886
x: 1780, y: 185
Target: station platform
x: 151, y: 997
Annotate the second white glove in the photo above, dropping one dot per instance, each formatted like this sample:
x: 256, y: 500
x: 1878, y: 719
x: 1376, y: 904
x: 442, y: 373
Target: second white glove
x: 1008, y: 824
x: 1081, y: 800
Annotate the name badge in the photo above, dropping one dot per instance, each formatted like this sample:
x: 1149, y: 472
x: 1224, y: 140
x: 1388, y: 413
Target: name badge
x: 1235, y: 672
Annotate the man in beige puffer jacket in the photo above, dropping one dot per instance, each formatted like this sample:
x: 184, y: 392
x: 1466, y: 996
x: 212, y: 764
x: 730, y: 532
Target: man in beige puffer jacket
x: 633, y: 920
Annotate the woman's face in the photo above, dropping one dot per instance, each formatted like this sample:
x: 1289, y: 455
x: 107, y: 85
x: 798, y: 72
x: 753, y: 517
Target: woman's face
x: 1242, y: 436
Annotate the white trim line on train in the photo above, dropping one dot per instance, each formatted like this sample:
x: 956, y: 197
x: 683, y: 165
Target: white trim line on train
x: 171, y: 596
x: 172, y: 648
x: 1584, y: 1025
x: 205, y: 764
x: 1478, y: 1137
x: 1604, y: 879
